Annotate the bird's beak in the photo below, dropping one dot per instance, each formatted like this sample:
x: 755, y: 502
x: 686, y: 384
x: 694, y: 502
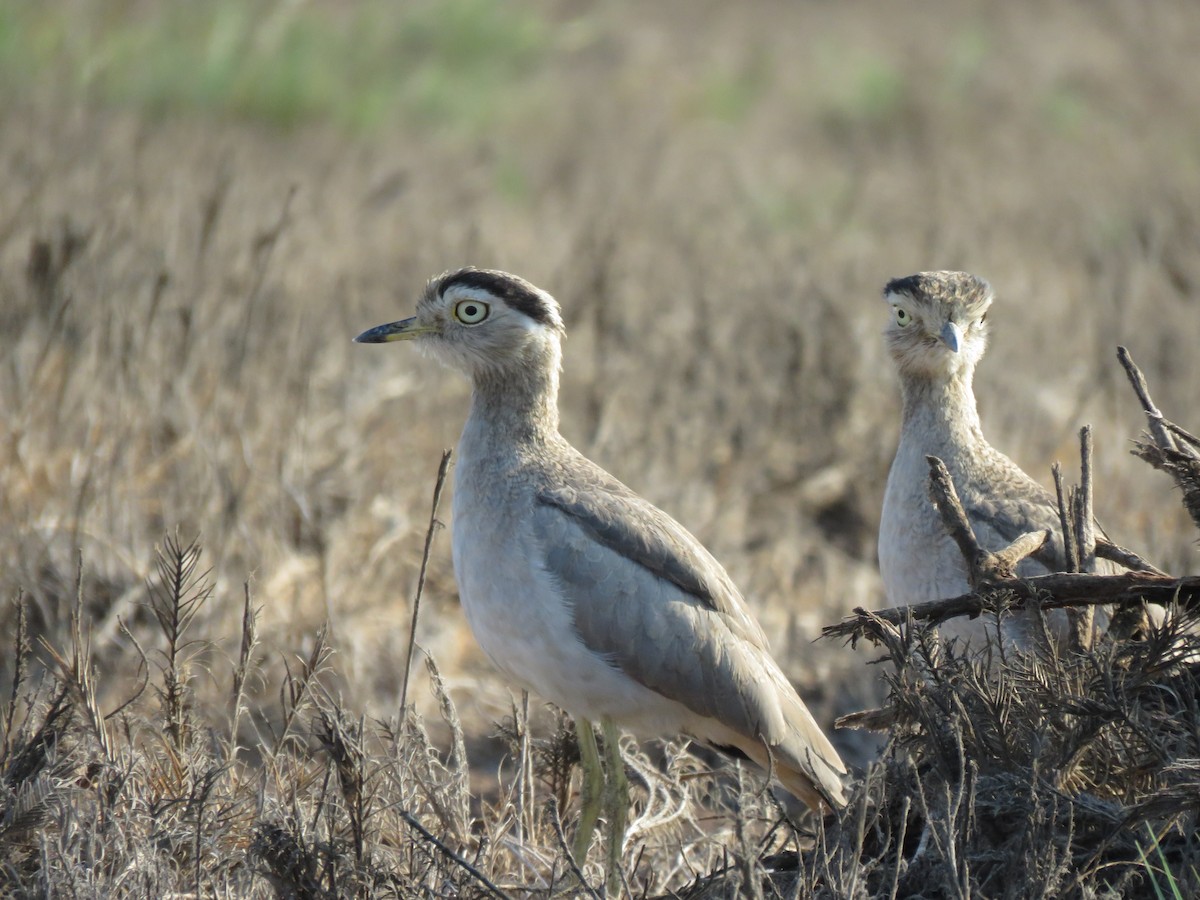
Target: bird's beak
x: 951, y: 336
x: 404, y: 330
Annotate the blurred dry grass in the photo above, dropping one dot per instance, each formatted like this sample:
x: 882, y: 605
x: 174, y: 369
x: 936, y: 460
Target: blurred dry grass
x: 715, y: 193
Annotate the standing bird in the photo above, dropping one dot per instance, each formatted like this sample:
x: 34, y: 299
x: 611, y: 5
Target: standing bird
x: 937, y: 335
x: 577, y: 588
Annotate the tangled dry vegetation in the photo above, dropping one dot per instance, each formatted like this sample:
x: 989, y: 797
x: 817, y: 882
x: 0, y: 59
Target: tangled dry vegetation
x: 1077, y: 769
x: 159, y: 796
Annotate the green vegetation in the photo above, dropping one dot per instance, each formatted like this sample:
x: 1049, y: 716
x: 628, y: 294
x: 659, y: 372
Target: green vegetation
x: 1066, y: 108
x: 729, y: 96
x: 360, y: 66
x: 1158, y: 870
x: 967, y: 56
x: 857, y: 88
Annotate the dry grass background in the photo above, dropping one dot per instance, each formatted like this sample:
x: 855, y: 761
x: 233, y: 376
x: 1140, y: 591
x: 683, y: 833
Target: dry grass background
x: 714, y: 192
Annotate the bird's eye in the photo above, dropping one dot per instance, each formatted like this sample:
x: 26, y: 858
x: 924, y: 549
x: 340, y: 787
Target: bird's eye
x: 471, y: 312
x: 902, y: 316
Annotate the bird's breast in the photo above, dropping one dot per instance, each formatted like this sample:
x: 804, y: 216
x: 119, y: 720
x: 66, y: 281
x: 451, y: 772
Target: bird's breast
x: 918, y: 560
x: 525, y: 622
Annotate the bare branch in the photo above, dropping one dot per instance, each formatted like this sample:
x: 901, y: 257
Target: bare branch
x: 1182, y: 434
x: 456, y: 858
x: 1122, y: 556
x: 1162, y: 435
x: 1173, y: 450
x: 880, y: 719
x: 954, y: 518
x: 1057, y: 591
x: 982, y: 567
x: 1003, y: 564
x: 1083, y: 618
x: 1085, y: 523
x: 1070, y: 550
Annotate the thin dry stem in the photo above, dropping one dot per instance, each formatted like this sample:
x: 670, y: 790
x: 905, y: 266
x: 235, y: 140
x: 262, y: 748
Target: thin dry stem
x: 434, y: 525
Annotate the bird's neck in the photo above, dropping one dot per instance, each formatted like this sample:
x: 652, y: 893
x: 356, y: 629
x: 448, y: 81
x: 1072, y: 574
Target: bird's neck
x: 521, y: 410
x: 941, y: 408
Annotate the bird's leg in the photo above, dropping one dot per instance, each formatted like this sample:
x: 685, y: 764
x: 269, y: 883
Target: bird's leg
x: 616, y: 804
x: 591, y: 785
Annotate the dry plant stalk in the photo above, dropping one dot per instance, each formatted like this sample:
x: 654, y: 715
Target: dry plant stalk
x: 443, y: 469
x: 1171, y: 449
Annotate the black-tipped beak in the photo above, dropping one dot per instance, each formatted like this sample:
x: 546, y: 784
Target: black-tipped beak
x: 404, y: 330
x: 952, y: 336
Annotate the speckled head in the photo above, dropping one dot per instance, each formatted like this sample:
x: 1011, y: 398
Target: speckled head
x: 938, y: 327
x: 483, y: 322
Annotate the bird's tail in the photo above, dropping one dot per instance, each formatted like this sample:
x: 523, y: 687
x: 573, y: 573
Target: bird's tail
x: 805, y: 775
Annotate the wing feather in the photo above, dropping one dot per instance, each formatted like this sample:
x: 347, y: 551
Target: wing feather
x: 648, y: 597
x: 1002, y: 513
x: 640, y: 532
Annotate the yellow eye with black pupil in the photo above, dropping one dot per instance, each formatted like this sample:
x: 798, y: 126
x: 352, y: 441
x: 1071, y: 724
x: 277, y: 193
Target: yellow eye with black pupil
x: 471, y: 312
x: 902, y: 316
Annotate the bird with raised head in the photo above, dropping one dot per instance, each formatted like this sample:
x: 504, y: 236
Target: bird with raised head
x: 936, y: 334
x: 579, y: 590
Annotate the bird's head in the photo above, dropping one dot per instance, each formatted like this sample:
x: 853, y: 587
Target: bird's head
x: 938, y: 326
x: 482, y: 322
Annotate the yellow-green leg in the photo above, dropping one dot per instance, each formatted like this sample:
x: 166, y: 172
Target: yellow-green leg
x: 591, y: 785
x: 616, y: 805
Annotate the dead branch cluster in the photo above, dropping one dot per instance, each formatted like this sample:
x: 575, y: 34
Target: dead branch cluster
x: 1070, y: 772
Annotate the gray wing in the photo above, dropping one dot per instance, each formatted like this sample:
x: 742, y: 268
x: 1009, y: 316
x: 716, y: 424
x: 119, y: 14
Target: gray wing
x: 1012, y: 505
x: 648, y: 597
x: 617, y: 518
